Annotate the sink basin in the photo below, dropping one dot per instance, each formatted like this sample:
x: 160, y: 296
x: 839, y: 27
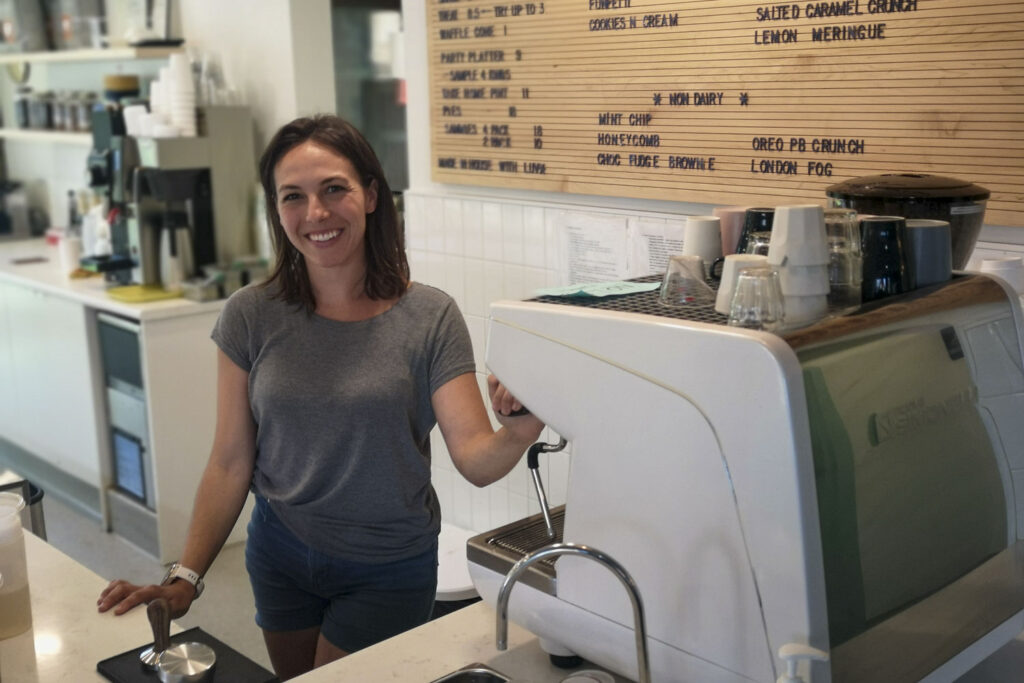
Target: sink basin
x: 474, y: 673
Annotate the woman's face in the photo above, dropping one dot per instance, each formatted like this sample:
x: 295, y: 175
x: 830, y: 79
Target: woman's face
x: 323, y: 205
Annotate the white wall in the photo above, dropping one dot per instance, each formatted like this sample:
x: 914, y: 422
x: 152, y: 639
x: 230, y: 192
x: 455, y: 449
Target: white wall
x: 276, y: 53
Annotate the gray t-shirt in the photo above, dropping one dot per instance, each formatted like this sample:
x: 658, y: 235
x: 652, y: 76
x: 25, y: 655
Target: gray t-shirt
x: 343, y: 416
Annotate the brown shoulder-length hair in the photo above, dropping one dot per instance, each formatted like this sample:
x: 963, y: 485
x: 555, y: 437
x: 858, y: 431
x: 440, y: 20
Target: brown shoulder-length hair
x: 387, y: 270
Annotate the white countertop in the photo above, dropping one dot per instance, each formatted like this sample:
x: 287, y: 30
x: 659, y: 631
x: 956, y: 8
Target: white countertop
x: 445, y: 645
x: 68, y: 636
x: 46, y: 276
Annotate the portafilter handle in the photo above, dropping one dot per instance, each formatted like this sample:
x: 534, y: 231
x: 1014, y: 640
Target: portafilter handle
x: 159, y: 613
x: 533, y: 463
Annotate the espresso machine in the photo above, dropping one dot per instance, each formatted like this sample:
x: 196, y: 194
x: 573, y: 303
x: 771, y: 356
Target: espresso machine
x: 838, y: 499
x: 182, y: 202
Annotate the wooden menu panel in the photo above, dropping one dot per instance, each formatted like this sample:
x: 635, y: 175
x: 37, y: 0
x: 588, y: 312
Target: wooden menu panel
x: 727, y: 102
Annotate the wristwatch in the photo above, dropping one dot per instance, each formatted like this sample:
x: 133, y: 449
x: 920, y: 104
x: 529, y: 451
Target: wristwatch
x: 178, y: 571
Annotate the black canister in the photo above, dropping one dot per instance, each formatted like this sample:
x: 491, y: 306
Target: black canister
x: 882, y: 240
x: 758, y: 219
x: 920, y: 195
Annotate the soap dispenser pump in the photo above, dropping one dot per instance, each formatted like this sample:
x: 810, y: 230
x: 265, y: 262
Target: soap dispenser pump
x: 792, y: 654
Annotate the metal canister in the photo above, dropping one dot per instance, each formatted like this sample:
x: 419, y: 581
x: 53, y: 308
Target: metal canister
x: 41, y: 111
x: 22, y: 106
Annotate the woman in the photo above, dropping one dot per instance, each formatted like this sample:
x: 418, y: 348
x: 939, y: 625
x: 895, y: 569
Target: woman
x: 330, y: 377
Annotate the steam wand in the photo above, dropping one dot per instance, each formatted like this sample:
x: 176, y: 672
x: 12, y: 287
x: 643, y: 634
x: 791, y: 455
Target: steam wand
x: 533, y: 464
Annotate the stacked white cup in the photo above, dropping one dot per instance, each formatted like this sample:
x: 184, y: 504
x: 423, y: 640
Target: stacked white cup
x: 799, y: 252
x: 180, y: 95
x: 172, y: 101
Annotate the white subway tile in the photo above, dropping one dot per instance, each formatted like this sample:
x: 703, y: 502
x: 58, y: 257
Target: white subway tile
x: 415, y: 225
x: 512, y: 233
x: 533, y: 279
x: 433, y: 210
x: 552, y: 239
x: 462, y: 503
x: 472, y: 228
x: 453, y: 240
x: 494, y: 282
x: 473, y: 270
x: 481, y: 510
x: 434, y: 269
x: 454, y: 279
x: 558, y: 473
x: 518, y: 480
x: 515, y: 281
x: 518, y: 507
x: 416, y: 258
x: 534, y: 237
x: 492, y: 233
x: 439, y: 456
x: 498, y: 496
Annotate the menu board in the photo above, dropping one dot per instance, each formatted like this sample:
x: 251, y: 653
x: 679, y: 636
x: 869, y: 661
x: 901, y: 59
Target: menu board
x: 727, y: 102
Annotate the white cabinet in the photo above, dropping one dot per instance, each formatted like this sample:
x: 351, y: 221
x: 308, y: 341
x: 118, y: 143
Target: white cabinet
x: 49, y: 375
x: 8, y: 419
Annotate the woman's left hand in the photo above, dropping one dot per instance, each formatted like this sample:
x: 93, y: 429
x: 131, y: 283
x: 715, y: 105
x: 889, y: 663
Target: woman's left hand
x: 525, y: 426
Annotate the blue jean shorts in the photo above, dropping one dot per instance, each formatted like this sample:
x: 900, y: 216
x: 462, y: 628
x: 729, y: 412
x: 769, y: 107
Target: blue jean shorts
x: 355, y: 604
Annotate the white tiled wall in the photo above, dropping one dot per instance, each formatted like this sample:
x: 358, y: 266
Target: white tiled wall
x: 479, y: 251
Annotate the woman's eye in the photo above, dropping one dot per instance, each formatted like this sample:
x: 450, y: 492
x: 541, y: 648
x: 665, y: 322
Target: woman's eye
x: 291, y: 196
x: 332, y: 189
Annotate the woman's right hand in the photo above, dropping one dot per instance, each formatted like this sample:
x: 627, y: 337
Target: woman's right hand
x: 123, y: 596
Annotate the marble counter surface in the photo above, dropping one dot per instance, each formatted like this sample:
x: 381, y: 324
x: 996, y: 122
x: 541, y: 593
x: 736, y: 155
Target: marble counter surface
x: 68, y: 636
x: 446, y: 645
x: 33, y: 263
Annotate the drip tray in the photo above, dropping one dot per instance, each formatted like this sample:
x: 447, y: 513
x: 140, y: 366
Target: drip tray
x: 501, y: 548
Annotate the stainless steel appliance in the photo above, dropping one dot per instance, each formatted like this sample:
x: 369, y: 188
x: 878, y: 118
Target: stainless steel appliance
x: 132, y: 497
x: 843, y: 491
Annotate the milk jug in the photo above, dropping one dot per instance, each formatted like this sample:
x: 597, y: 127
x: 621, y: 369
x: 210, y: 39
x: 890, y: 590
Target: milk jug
x: 15, y: 607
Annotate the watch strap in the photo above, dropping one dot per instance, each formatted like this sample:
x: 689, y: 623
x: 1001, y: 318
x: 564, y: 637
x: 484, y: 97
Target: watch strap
x: 179, y: 571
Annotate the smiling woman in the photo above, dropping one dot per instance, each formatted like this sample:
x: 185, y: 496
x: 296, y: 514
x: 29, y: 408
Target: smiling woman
x: 322, y: 206
x: 331, y: 376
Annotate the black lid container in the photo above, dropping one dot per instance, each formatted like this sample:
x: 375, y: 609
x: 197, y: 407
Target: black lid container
x: 920, y: 195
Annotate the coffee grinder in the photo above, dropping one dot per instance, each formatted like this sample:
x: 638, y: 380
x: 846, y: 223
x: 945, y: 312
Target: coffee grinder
x: 109, y: 165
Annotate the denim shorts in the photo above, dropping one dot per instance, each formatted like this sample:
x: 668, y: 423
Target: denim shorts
x: 355, y: 604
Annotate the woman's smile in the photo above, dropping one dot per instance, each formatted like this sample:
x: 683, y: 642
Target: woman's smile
x: 323, y: 237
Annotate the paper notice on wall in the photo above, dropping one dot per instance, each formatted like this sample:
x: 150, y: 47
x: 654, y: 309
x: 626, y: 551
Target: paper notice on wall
x: 592, y: 248
x: 651, y: 242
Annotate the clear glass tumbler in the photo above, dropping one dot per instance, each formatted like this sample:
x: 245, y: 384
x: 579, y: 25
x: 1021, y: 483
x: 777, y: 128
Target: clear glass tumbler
x: 757, y: 302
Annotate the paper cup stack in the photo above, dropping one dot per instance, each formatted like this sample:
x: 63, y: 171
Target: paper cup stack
x: 799, y: 251
x: 180, y: 95
x: 172, y: 100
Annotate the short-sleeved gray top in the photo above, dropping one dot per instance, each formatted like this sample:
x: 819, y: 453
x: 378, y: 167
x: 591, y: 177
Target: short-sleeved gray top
x: 343, y: 416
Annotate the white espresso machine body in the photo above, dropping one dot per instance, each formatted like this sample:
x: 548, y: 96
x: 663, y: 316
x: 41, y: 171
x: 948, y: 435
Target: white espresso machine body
x: 693, y: 466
